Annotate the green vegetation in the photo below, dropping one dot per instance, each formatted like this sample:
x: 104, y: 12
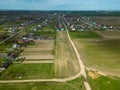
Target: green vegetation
x: 4, y: 46
x: 49, y: 27
x: 10, y: 23
x: 46, y: 33
x: 1, y: 60
x: 71, y: 85
x: 33, y: 26
x: 104, y: 83
x: 2, y: 30
x: 100, y: 54
x: 94, y: 13
x: 28, y: 71
x: 84, y: 34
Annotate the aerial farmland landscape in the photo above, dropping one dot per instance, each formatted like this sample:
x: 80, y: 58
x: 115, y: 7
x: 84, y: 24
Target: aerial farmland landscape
x: 56, y: 48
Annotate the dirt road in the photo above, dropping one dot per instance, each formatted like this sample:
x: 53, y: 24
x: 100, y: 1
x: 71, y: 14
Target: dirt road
x: 83, y: 73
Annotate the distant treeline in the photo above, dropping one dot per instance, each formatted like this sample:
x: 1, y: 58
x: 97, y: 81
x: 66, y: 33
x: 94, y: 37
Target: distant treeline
x: 97, y: 13
x: 82, y: 13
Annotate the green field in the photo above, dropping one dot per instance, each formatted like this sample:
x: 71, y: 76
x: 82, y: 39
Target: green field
x: 2, y: 30
x: 4, y: 46
x: 99, y: 54
x: 46, y: 33
x: 84, y: 34
x: 28, y: 71
x: 48, y: 27
x: 71, y: 85
x: 104, y: 83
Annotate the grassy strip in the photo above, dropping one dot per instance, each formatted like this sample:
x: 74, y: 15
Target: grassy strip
x: 104, y: 83
x: 83, y: 34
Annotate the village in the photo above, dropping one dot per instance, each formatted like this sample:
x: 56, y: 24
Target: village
x: 87, y: 23
x: 58, y: 49
x: 21, y: 31
x: 18, y: 33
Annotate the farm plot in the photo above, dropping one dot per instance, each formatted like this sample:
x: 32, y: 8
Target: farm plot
x: 42, y: 50
x: 28, y: 71
x: 99, y: 82
x: 112, y: 21
x: 66, y: 64
x: 100, y: 54
x: 109, y: 34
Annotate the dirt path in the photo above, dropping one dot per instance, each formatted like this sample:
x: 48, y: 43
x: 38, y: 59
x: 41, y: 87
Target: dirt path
x: 46, y: 61
x: 82, y: 72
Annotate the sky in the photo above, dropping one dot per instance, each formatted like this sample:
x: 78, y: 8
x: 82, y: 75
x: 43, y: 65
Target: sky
x: 59, y: 4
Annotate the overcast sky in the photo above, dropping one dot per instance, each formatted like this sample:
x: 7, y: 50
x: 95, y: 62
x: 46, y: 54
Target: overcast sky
x: 60, y: 4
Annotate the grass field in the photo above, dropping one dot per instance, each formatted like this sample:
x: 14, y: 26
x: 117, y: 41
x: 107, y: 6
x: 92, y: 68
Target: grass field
x: 86, y: 34
x: 104, y: 83
x: 46, y: 33
x: 99, y: 54
x: 109, y: 34
x: 2, y: 30
x: 111, y: 21
x: 4, y: 46
x: 71, y: 85
x: 49, y: 27
x: 28, y: 71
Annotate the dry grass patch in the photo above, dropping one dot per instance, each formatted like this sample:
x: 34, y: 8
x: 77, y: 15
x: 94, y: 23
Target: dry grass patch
x: 102, y: 55
x: 109, y: 34
x: 66, y: 64
x: 43, y: 49
x: 93, y: 75
x: 114, y: 21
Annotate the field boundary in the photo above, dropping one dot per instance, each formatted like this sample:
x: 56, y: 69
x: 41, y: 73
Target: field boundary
x: 26, y: 62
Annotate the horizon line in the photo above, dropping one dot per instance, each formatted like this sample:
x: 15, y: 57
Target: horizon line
x: 52, y: 10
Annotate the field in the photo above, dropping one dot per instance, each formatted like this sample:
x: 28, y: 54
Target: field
x: 66, y: 64
x: 109, y: 34
x: 108, y: 20
x: 84, y: 35
x: 49, y: 27
x: 99, y: 54
x: 28, y: 71
x: 99, y: 82
x: 2, y: 30
x: 46, y: 33
x: 41, y: 50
